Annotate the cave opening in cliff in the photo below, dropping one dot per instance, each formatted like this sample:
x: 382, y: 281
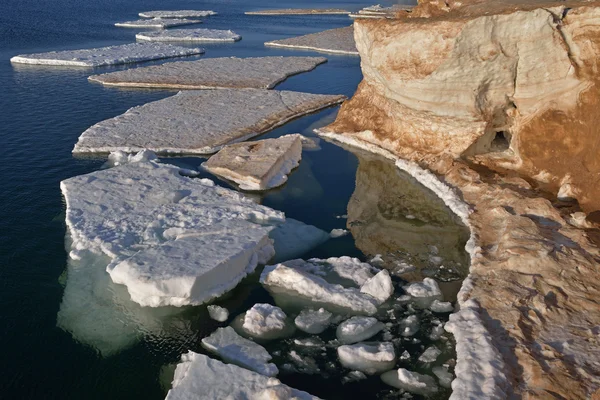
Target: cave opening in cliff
x: 501, y: 141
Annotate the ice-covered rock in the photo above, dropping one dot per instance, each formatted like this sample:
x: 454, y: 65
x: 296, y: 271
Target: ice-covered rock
x: 213, y: 73
x: 294, y: 238
x: 336, y: 233
x: 441, y: 306
x: 265, y: 321
x: 260, y: 165
x: 357, y: 329
x: 430, y: 354
x: 370, y: 358
x: 200, y: 377
x: 409, y: 325
x: 339, y: 40
x: 177, y: 14
x: 299, y: 11
x: 299, y: 284
x: 313, y: 321
x: 189, y: 35
x: 233, y: 348
x: 380, y: 286
x: 199, y: 122
x: 111, y: 55
x: 444, y: 377
x: 218, y: 313
x: 157, y: 23
x: 411, y: 381
x: 172, y: 239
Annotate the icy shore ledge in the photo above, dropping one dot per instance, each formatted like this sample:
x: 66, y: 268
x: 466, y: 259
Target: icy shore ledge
x: 199, y: 122
x: 103, y: 56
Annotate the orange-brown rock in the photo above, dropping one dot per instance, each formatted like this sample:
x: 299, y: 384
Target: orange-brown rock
x: 500, y: 100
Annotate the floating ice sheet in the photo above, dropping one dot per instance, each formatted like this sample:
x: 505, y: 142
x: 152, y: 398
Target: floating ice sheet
x: 200, y: 377
x: 111, y: 55
x: 177, y: 14
x: 199, y: 122
x: 189, y: 35
x: 213, y: 73
x: 157, y: 23
x: 339, y: 40
x: 299, y: 11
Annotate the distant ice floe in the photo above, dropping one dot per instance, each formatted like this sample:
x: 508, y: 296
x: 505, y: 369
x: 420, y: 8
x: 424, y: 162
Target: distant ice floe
x: 199, y: 122
x: 339, y: 40
x: 157, y: 23
x: 189, y: 35
x: 300, y: 11
x: 111, y: 55
x: 200, y: 377
x: 177, y: 14
x: 213, y: 73
x: 259, y: 165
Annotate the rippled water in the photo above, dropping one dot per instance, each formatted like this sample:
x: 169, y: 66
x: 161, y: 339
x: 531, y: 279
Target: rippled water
x: 44, y: 110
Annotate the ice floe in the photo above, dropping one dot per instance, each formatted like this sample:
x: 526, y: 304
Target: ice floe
x: 111, y: 55
x: 430, y: 354
x: 299, y: 11
x: 260, y: 165
x: 264, y: 321
x: 157, y: 23
x: 345, y: 271
x: 213, y: 73
x: 218, y: 313
x: 444, y: 377
x: 200, y: 377
x: 189, y: 35
x: 234, y: 349
x: 429, y: 288
x: 199, y: 122
x: 177, y: 14
x: 370, y: 358
x: 313, y: 321
x: 411, y: 381
x: 380, y: 286
x: 441, y: 306
x: 357, y: 329
x: 336, y: 233
x: 338, y: 40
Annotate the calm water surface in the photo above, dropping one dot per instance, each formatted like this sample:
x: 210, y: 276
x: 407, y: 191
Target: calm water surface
x: 42, y: 113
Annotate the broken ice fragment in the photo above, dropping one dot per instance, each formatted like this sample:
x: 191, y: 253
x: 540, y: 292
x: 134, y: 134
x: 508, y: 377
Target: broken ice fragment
x: 430, y: 354
x: 313, y: 321
x: 412, y: 381
x: 441, y: 306
x: 357, y: 329
x: 264, y: 321
x: 380, y: 286
x: 370, y: 358
x: 218, y: 313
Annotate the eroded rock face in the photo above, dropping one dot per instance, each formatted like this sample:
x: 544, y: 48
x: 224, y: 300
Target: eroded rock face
x: 514, y: 85
x: 439, y: 85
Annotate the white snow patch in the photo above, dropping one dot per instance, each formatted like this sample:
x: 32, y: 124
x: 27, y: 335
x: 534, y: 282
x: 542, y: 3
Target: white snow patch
x: 177, y: 14
x: 313, y: 321
x: 380, y: 286
x: 357, y: 329
x: 218, y: 313
x: 370, y: 358
x: 189, y: 35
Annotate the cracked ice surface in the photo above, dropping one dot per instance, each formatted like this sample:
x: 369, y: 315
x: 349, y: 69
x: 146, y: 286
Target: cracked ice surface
x: 339, y: 40
x: 157, y: 23
x: 111, y: 55
x: 213, y: 73
x: 177, y: 14
x: 189, y: 35
x: 199, y: 122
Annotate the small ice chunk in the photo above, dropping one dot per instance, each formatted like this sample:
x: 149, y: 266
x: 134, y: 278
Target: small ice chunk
x: 264, y: 321
x: 202, y: 378
x: 233, y: 348
x: 189, y: 35
x: 412, y: 381
x: 294, y: 238
x: 444, y: 377
x: 336, y: 233
x: 339, y: 40
x: 304, y: 364
x: 313, y: 321
x: 430, y: 354
x: 436, y: 332
x: 354, y: 376
x: 380, y: 286
x: 218, y: 313
x: 409, y: 325
x: 403, y: 268
x: 441, y: 306
x: 376, y: 260
x: 157, y: 23
x: 177, y: 14
x: 427, y: 288
x: 357, y: 329
x: 117, y: 158
x: 370, y: 358
x: 405, y: 355
x: 314, y: 342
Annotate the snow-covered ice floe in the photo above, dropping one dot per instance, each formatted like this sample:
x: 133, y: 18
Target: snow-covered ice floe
x: 213, y: 73
x: 317, y: 284
x: 370, y: 358
x: 199, y: 122
x: 234, y: 349
x: 338, y: 40
x: 259, y: 165
x: 189, y: 35
x: 300, y: 11
x: 177, y: 14
x: 157, y: 23
x: 111, y: 55
x: 200, y: 377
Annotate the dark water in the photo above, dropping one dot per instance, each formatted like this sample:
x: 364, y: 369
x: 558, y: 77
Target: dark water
x: 42, y: 113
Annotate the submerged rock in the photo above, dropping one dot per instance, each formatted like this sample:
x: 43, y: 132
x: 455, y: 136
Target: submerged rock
x: 177, y: 14
x: 259, y: 165
x: 370, y: 358
x: 103, y: 56
x: 157, y: 23
x: 189, y: 35
x: 339, y: 40
x: 199, y: 122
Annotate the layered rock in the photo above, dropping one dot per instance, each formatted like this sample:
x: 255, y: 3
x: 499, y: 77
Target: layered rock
x: 482, y: 93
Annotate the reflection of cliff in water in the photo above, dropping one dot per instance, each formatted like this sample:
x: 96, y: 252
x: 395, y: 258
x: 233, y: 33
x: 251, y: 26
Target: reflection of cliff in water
x: 390, y: 214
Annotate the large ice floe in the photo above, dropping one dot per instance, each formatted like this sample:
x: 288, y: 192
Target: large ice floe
x: 157, y: 23
x: 299, y: 11
x: 338, y: 40
x: 213, y: 73
x: 177, y: 14
x: 200, y: 377
x: 199, y: 122
x: 259, y: 165
x: 189, y: 35
x: 234, y: 349
x: 111, y: 55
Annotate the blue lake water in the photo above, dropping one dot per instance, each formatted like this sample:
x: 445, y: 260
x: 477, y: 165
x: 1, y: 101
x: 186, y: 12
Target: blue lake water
x: 43, y: 110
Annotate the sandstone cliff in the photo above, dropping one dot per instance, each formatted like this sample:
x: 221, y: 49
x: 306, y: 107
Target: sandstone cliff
x: 501, y: 100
